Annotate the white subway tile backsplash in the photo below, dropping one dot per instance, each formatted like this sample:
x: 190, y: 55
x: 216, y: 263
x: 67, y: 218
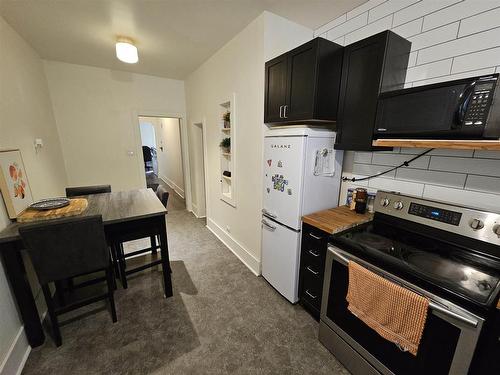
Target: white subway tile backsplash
x: 485, y: 167
x: 485, y: 201
x: 420, y: 9
x: 480, y: 22
x: 451, y: 39
x: 397, y: 159
x: 458, y: 11
x: 340, y: 41
x: 370, y: 170
x: 439, y: 152
x: 370, y: 29
x: 432, y: 177
x: 364, y: 8
x: 404, y: 187
x: 487, y: 154
x: 330, y: 25
x: 388, y: 7
x: 482, y: 59
x: 348, y: 26
x: 412, y: 59
x: 468, y: 44
x: 434, y: 36
x: 472, y: 73
x: 363, y: 157
x: 426, y: 71
x: 410, y: 28
x: 483, y: 183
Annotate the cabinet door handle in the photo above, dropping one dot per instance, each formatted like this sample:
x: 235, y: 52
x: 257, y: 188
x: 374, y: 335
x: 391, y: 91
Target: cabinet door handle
x: 284, y: 111
x: 310, y: 295
x: 312, y: 271
x: 281, y: 109
x: 313, y: 253
x: 315, y: 237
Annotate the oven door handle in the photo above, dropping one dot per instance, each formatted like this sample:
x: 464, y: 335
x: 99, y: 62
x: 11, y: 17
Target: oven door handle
x: 434, y: 306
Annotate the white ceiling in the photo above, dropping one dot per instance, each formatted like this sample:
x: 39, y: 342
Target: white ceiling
x: 173, y: 36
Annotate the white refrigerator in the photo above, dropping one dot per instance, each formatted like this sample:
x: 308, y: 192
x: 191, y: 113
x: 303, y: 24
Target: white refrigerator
x: 302, y: 174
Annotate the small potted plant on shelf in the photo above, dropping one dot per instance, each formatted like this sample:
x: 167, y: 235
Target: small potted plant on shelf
x: 227, y: 120
x: 225, y: 145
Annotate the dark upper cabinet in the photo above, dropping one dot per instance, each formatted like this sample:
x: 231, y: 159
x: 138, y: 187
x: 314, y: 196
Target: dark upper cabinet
x: 302, y: 85
x: 370, y: 66
x: 276, y: 77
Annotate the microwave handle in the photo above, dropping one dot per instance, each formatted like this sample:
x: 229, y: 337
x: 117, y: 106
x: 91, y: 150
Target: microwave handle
x: 462, y: 106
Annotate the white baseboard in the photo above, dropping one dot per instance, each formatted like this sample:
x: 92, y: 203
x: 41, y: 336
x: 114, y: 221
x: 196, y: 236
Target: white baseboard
x: 196, y: 212
x: 237, y: 249
x: 174, y: 186
x: 17, y: 355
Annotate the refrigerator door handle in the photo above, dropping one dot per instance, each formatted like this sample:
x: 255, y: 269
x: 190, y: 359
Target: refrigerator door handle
x: 267, y: 213
x: 268, y: 226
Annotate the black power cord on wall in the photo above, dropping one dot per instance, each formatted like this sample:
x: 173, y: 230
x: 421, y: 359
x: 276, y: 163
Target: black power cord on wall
x: 404, y: 164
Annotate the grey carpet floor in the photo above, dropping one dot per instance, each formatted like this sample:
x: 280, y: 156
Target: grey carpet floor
x: 221, y: 320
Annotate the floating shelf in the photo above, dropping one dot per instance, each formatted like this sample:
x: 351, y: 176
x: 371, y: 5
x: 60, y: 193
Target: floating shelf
x: 227, y: 178
x: 226, y: 153
x: 226, y: 130
x: 439, y: 143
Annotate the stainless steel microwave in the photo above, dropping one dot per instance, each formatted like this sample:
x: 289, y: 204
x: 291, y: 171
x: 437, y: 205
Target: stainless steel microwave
x: 461, y: 109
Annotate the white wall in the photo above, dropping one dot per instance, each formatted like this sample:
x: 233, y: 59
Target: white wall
x: 25, y: 114
x: 170, y: 159
x: 147, y: 134
x: 451, y: 39
x: 238, y: 68
x: 96, y: 113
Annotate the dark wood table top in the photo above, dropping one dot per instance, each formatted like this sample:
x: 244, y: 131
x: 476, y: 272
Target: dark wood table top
x: 115, y: 207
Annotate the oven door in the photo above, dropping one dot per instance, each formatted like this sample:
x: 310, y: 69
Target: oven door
x: 447, y: 345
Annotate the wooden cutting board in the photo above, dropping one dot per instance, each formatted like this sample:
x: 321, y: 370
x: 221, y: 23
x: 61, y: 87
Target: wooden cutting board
x: 76, y: 207
x: 336, y: 220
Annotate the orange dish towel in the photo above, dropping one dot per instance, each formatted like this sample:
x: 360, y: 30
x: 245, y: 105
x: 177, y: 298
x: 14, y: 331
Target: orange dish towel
x: 395, y: 313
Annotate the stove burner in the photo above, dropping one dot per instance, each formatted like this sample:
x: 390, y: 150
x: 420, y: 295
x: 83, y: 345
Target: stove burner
x: 434, y: 264
x: 484, y: 285
x: 377, y: 242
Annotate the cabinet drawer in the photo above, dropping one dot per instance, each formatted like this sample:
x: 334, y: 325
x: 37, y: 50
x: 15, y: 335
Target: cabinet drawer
x: 312, y: 289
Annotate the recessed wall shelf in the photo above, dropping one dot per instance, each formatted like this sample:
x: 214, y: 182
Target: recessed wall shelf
x: 227, y: 127
x: 440, y: 143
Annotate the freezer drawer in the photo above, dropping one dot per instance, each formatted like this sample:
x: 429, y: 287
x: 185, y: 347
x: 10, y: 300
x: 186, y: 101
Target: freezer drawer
x: 280, y: 258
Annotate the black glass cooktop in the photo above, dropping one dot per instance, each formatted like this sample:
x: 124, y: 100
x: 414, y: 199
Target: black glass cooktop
x: 438, y: 262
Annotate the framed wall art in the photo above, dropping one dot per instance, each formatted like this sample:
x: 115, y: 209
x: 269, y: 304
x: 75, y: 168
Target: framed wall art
x: 14, y: 184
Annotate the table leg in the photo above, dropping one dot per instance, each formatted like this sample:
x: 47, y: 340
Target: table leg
x: 16, y: 274
x: 165, y: 261
x: 153, y: 244
x: 121, y: 264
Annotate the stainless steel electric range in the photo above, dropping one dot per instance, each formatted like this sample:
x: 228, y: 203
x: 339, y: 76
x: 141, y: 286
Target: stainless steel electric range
x: 448, y: 253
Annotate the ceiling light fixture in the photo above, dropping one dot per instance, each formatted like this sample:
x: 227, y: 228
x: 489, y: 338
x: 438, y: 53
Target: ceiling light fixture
x: 126, y: 51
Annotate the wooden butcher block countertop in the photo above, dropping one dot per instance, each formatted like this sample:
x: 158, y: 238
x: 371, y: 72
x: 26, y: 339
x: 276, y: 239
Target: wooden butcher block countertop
x: 335, y: 220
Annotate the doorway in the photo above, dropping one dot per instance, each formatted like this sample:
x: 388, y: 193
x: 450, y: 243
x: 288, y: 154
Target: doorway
x: 199, y: 172
x: 163, y: 157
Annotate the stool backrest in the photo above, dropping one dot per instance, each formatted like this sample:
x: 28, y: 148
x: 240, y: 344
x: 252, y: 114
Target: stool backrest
x: 162, y: 195
x: 87, y: 190
x: 65, y: 248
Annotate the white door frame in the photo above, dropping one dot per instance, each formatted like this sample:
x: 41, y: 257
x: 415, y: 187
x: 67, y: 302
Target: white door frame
x: 203, y: 123
x: 184, y: 148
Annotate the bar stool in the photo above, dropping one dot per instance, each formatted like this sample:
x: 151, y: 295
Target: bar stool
x: 66, y: 248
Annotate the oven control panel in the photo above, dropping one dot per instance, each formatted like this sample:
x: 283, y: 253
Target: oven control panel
x: 465, y: 221
x: 435, y: 213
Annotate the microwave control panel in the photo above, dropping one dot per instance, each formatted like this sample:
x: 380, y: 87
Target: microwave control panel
x: 479, y: 104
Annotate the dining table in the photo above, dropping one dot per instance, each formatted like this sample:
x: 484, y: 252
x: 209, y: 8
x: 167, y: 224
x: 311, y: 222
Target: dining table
x: 126, y: 215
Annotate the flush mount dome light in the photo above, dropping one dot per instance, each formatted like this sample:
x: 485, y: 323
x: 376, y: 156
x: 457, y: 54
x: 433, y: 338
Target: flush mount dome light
x: 126, y: 51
